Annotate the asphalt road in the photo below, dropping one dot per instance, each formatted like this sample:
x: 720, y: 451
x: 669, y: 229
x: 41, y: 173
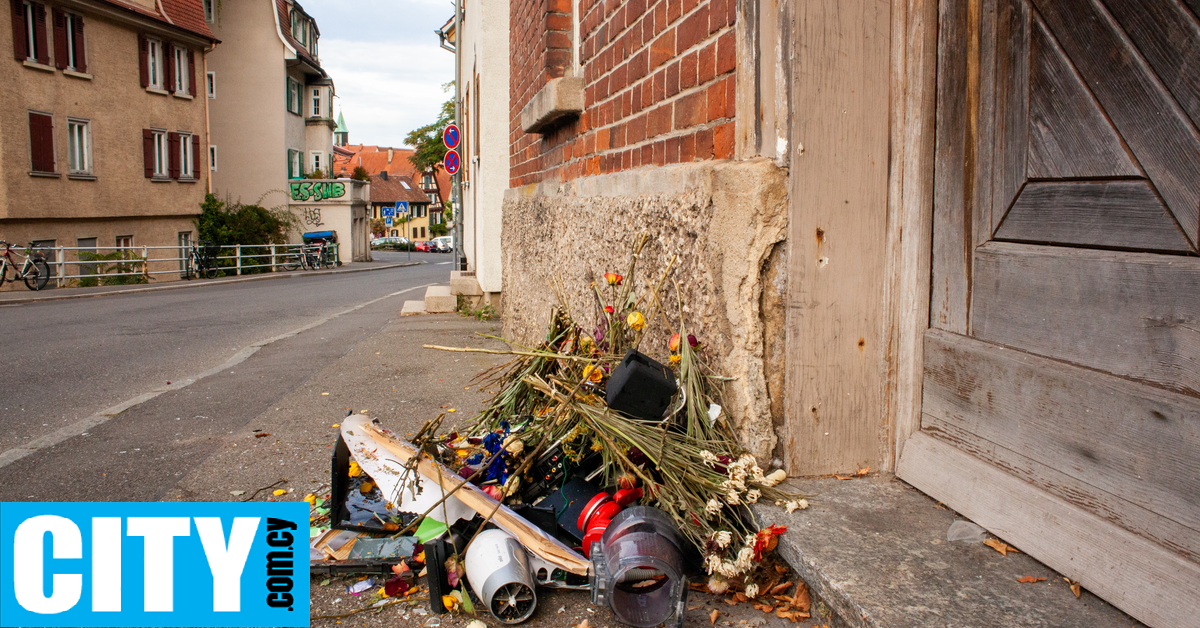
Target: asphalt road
x: 67, y: 364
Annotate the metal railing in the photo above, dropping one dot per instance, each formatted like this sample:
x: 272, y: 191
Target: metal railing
x: 111, y: 265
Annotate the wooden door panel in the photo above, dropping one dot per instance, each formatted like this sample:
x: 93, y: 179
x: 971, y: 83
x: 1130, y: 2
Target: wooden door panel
x: 1012, y: 105
x: 1069, y: 135
x: 1136, y: 315
x: 1131, y: 441
x: 1116, y: 214
x: 1152, y: 124
x: 1168, y: 36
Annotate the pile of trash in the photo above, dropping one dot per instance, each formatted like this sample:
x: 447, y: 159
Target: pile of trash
x: 594, y: 467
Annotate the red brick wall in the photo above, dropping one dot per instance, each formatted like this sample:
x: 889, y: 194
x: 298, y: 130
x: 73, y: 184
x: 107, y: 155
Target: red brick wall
x: 659, y: 84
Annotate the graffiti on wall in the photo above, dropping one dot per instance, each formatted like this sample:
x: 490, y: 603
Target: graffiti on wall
x: 317, y: 190
x: 312, y: 217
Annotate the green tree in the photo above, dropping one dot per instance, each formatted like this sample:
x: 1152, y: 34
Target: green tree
x: 360, y: 174
x: 249, y: 225
x: 428, y: 148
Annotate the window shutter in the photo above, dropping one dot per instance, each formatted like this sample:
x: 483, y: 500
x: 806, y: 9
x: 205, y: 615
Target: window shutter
x: 39, y: 31
x: 41, y: 142
x: 169, y: 66
x: 20, y: 46
x: 288, y: 88
x: 192, y: 73
x: 173, y: 155
x: 60, y: 39
x: 80, y: 49
x: 148, y: 152
x: 144, y: 60
x: 195, y: 157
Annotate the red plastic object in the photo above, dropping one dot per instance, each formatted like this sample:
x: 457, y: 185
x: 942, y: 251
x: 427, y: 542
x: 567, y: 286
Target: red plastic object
x: 599, y: 512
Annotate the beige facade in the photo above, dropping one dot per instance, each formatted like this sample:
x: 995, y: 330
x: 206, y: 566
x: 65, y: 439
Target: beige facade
x: 271, y: 111
x: 106, y: 194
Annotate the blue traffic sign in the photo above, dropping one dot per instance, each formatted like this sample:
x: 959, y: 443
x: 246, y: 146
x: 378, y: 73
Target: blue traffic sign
x: 451, y: 137
x: 389, y: 212
x: 402, y: 206
x: 452, y: 162
x: 387, y: 220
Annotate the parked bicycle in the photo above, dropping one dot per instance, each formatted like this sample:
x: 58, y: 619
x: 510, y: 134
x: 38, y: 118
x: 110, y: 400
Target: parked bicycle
x: 308, y: 257
x: 34, y: 270
x: 201, y: 260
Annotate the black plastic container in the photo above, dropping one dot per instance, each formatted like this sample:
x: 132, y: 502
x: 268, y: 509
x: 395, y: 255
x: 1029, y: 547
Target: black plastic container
x: 640, y: 387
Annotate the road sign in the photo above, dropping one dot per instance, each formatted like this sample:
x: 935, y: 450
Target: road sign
x: 451, y: 162
x: 387, y: 220
x: 402, y: 207
x: 389, y: 212
x: 451, y: 137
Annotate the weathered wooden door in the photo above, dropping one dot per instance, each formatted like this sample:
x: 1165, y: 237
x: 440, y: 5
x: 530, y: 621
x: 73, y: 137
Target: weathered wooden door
x: 1061, y: 395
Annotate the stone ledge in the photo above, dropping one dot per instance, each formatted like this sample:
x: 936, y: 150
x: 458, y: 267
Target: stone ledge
x: 874, y: 549
x: 557, y: 99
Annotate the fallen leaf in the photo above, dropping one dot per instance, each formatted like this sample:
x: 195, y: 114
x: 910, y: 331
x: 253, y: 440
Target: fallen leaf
x: 1029, y: 579
x: 712, y: 617
x: 1001, y: 546
x: 863, y: 471
x: 730, y: 602
x: 262, y: 435
x: 366, y: 487
x: 452, y: 410
x: 337, y: 425
x: 1075, y: 588
x: 324, y: 394
x: 237, y: 492
x: 583, y: 624
x: 843, y: 478
x: 780, y: 588
x: 783, y: 598
x: 741, y: 597
x: 801, y: 599
x: 279, y: 491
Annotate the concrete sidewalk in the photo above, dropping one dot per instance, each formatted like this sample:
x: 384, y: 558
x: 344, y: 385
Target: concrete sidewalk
x: 8, y: 297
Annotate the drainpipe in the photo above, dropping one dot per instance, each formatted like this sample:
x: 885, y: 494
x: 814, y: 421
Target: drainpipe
x: 207, y: 125
x: 456, y: 186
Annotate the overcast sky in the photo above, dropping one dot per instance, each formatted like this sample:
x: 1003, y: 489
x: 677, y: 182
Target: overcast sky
x: 385, y: 61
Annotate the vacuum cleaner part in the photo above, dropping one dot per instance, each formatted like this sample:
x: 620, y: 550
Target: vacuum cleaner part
x: 637, y: 569
x: 498, y: 571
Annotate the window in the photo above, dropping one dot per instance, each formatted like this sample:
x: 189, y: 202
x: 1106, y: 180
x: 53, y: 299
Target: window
x: 155, y: 153
x: 405, y: 184
x: 68, y: 42
x: 184, y: 238
x: 187, y: 166
x: 29, y: 32
x: 212, y: 158
x: 124, y: 242
x: 293, y: 95
x: 41, y: 142
x: 180, y: 70
x: 414, y: 233
x: 422, y: 232
x: 86, y: 245
x: 295, y: 165
x: 435, y: 218
x: 426, y: 181
x: 209, y: 14
x: 316, y: 162
x: 154, y: 64
x: 79, y: 146
x: 433, y: 197
x: 316, y: 102
x: 212, y: 85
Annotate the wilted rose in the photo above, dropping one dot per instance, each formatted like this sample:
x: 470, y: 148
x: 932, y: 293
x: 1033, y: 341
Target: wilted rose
x: 636, y: 321
x: 674, y: 344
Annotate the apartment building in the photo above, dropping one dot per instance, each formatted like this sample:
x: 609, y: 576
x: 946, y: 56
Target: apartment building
x: 102, y: 127
x: 271, y: 102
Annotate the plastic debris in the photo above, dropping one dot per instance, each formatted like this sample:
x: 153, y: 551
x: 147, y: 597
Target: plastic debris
x: 358, y: 587
x: 966, y: 532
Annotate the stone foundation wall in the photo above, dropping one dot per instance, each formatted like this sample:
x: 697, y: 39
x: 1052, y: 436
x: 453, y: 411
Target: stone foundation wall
x: 726, y: 221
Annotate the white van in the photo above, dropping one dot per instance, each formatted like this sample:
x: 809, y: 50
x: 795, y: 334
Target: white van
x: 442, y: 244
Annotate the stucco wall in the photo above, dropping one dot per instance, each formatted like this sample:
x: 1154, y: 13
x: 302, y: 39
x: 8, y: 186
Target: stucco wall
x: 725, y: 221
x: 485, y: 53
x: 247, y: 116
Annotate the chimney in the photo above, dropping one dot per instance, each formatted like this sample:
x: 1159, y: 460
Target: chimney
x: 390, y: 153
x: 383, y: 174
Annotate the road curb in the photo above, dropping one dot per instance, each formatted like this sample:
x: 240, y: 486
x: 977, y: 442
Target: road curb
x: 180, y: 285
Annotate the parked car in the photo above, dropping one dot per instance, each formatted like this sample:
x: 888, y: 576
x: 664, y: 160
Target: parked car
x: 423, y: 247
x: 443, y: 244
x: 389, y: 241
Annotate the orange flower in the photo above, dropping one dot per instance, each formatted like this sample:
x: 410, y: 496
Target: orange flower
x: 593, y: 373
x: 613, y: 279
x: 675, y: 359
x: 608, y: 309
x: 674, y: 344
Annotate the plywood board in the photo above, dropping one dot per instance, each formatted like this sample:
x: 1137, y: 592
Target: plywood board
x: 1134, y: 574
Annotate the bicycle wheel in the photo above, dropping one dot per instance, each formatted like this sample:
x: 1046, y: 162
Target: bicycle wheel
x: 290, y: 263
x: 3, y: 271
x: 38, y: 275
x: 211, y: 271
x: 187, y: 268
